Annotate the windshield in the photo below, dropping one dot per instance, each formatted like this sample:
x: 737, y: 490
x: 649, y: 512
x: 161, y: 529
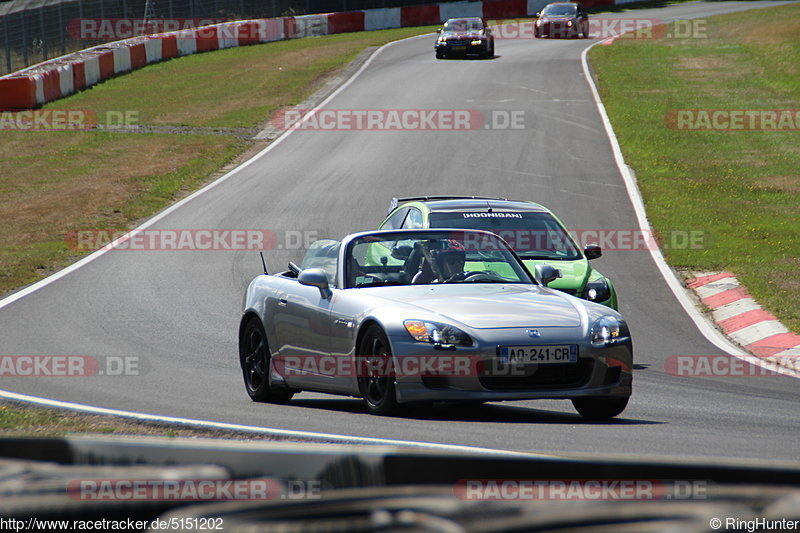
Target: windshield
x: 531, y: 235
x: 559, y: 9
x: 462, y: 25
x: 421, y: 258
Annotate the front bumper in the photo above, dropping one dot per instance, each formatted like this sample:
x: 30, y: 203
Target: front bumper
x: 459, y: 48
x: 598, y: 372
x: 559, y: 30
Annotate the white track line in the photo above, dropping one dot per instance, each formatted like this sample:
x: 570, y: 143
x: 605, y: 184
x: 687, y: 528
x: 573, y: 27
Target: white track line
x: 260, y: 430
x: 703, y: 324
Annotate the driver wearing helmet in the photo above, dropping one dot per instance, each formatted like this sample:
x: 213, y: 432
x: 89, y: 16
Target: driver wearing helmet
x: 444, y: 261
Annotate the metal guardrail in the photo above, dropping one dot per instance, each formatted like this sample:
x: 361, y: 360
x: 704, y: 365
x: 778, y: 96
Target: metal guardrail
x: 32, y: 31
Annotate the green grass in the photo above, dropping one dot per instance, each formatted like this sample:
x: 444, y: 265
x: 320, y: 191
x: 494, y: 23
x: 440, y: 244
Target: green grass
x: 17, y: 419
x: 740, y: 188
x: 231, y: 88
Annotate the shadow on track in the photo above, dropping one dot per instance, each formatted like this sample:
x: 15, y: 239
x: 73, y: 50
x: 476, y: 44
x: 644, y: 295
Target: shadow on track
x: 469, y: 412
x: 470, y: 58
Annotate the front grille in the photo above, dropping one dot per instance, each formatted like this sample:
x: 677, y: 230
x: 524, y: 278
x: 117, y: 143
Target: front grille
x: 555, y: 28
x: 459, y: 42
x: 555, y: 376
x: 569, y: 291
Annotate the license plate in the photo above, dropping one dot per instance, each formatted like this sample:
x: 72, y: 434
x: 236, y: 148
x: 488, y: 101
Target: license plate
x: 458, y: 48
x: 559, y: 353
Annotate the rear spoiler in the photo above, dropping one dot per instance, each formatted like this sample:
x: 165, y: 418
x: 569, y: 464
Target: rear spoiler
x: 397, y: 201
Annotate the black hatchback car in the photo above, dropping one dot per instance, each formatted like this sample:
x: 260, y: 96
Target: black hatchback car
x: 562, y: 19
x: 465, y: 36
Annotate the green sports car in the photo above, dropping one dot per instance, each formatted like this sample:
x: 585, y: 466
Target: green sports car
x: 535, y: 233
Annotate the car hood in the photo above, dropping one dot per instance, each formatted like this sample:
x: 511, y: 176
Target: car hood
x: 557, y: 18
x: 489, y: 305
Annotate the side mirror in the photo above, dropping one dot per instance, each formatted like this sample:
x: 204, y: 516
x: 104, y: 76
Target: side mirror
x: 545, y: 274
x: 592, y: 251
x: 315, y: 277
x: 402, y: 251
x: 537, y: 15
x: 439, y: 30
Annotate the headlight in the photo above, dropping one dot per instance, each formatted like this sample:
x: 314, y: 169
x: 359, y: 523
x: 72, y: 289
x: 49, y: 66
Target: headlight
x: 597, y: 291
x: 538, y: 23
x: 435, y: 333
x: 476, y: 42
x: 606, y: 330
x: 569, y: 24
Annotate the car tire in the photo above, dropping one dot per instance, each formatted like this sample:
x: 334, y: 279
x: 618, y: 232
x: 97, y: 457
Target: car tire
x: 377, y: 389
x: 439, y: 54
x: 536, y: 33
x: 254, y: 358
x: 585, y: 30
x: 491, y: 49
x: 600, y: 408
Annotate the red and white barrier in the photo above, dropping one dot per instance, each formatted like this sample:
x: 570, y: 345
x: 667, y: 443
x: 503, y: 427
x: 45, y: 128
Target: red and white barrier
x: 54, y: 79
x: 60, y: 77
x: 743, y: 319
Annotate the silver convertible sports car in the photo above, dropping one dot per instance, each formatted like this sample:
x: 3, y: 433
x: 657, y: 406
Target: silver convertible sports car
x: 414, y: 316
